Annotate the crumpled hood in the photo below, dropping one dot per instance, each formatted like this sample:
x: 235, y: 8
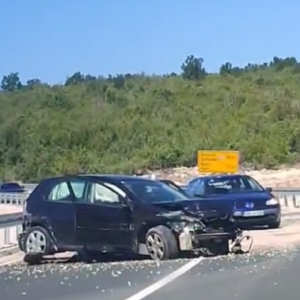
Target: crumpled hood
x: 207, y: 209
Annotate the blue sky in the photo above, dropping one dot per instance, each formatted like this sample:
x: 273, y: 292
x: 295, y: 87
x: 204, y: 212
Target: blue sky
x: 51, y: 39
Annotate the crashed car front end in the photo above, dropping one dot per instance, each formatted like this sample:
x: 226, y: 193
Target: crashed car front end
x: 205, y: 233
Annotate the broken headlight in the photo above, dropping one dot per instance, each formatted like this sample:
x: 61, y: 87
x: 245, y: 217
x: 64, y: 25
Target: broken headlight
x: 181, y: 226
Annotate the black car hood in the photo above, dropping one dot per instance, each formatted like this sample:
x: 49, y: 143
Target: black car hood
x: 198, y: 208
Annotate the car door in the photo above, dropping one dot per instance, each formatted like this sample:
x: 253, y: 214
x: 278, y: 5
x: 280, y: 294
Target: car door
x: 59, y: 211
x: 104, y: 219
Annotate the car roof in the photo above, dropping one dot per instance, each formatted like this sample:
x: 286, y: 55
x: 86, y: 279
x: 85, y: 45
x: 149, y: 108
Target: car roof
x: 223, y: 176
x: 10, y: 183
x: 118, y: 177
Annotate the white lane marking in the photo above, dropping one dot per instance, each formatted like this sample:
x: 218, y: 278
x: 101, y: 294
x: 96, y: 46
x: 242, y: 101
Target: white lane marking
x: 166, y: 280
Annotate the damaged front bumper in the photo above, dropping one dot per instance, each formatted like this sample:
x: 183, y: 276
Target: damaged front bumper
x: 197, y: 233
x: 190, y: 240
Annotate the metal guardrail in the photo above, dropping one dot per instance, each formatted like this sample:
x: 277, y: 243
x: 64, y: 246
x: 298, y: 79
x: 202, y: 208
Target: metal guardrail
x: 17, y: 198
x: 288, y: 197
x: 13, y: 198
x: 10, y: 219
x: 10, y: 225
x: 30, y: 186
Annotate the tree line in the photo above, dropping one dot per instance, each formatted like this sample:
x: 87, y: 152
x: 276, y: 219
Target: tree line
x: 126, y: 122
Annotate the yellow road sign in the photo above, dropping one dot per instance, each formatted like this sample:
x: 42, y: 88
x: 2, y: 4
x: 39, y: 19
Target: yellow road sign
x: 218, y: 161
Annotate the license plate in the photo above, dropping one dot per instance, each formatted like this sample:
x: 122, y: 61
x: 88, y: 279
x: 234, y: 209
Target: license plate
x: 253, y: 213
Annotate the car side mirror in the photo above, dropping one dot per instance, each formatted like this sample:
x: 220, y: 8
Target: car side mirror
x: 269, y: 189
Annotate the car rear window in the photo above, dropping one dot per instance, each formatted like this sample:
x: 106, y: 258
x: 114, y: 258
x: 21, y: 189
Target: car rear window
x: 224, y: 185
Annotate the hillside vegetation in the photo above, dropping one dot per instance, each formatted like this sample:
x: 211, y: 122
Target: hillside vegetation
x: 133, y: 121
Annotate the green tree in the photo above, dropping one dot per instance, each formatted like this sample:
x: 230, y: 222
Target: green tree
x: 193, y: 69
x: 11, y: 82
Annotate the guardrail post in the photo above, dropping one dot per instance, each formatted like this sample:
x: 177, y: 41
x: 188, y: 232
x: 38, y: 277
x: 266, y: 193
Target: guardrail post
x: 6, y: 235
x: 18, y: 230
x: 13, y: 198
x: 285, y: 201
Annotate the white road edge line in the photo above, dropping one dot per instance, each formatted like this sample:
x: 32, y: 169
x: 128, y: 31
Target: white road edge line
x: 166, y: 280
x: 10, y: 262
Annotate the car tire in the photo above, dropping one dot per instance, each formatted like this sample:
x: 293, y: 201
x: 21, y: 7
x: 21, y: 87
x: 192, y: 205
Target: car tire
x: 274, y: 225
x: 161, y: 243
x: 33, y: 258
x: 37, y: 243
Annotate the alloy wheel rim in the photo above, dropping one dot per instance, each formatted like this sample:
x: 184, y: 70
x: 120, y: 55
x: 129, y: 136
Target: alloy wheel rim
x: 36, y: 242
x: 155, y: 246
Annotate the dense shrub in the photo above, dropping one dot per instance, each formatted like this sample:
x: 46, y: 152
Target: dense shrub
x: 133, y: 121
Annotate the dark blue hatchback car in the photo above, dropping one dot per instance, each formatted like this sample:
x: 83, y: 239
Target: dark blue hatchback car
x: 11, y: 187
x: 253, y: 204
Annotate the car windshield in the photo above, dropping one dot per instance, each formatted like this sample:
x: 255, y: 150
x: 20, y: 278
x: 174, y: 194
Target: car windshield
x: 151, y: 191
x: 226, y: 185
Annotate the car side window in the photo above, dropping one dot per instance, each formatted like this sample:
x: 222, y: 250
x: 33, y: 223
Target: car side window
x: 199, y: 188
x: 105, y: 194
x: 192, y: 185
x: 60, y: 193
x: 79, y: 187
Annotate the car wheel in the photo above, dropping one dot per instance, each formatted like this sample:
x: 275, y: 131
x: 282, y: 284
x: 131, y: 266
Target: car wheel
x: 161, y: 243
x: 274, y: 225
x: 37, y: 243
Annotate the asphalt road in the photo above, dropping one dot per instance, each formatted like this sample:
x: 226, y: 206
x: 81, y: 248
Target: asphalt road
x: 265, y: 274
